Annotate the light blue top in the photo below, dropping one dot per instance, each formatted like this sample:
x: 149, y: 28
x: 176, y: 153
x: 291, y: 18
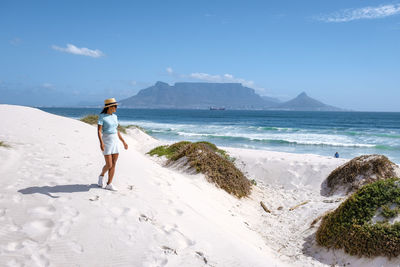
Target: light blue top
x: 109, y: 122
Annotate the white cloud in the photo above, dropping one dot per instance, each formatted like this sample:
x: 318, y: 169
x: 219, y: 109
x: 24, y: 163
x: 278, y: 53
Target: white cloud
x: 217, y: 78
x: 362, y: 13
x: 205, y: 77
x: 15, y: 41
x: 48, y: 85
x: 72, y: 49
x: 220, y: 78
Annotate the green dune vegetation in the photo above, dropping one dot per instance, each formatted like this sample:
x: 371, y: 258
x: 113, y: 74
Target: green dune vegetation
x: 206, y: 158
x: 359, y: 171
x: 93, y: 118
x: 90, y: 119
x: 3, y: 144
x: 367, y: 223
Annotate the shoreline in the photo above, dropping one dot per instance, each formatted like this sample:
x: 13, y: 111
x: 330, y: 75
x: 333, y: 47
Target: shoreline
x: 314, y: 134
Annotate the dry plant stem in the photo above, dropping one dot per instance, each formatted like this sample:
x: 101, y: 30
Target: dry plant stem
x: 298, y: 205
x: 264, y: 207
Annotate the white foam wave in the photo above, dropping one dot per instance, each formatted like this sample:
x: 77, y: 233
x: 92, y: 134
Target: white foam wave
x: 252, y: 133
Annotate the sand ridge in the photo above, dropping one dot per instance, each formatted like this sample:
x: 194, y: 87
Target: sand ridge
x: 53, y: 214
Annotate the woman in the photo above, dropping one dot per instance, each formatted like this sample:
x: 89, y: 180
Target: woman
x: 107, y: 131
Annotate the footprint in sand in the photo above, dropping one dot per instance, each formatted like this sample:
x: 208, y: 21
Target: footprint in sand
x: 94, y: 198
x: 39, y: 257
x: 2, y: 212
x: 14, y: 263
x: 144, y: 218
x: 109, y: 220
x: 119, y: 212
x: 13, y: 246
x: 177, y: 212
x: 38, y: 229
x: 70, y: 215
x: 168, y: 201
x: 74, y: 246
x: 156, y: 183
x: 42, y: 211
x: 202, y: 256
x: 131, y: 187
x: 168, y: 250
x: 17, y: 198
x: 50, y: 165
x: 11, y: 228
x: 71, y: 212
x: 64, y: 228
x: 173, y: 232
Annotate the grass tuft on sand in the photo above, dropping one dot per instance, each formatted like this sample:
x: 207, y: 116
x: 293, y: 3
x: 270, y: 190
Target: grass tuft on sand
x: 206, y: 158
x: 168, y: 151
x: 367, y: 223
x: 90, y: 119
x: 93, y: 118
x: 4, y: 144
x: 358, y: 172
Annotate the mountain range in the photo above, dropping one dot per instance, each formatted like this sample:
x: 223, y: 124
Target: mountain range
x: 187, y: 95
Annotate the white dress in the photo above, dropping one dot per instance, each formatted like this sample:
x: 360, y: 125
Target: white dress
x: 111, y: 144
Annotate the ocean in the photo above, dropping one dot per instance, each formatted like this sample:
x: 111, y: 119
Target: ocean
x: 349, y: 133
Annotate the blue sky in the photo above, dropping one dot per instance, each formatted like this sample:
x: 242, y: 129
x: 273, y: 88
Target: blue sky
x: 344, y: 53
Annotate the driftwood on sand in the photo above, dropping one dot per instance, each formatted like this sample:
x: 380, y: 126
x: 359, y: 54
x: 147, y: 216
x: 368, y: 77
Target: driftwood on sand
x: 264, y: 207
x: 298, y: 205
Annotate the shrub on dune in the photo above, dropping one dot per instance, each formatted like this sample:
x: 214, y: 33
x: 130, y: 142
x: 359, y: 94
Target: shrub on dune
x: 217, y: 150
x: 206, y: 158
x: 359, y: 171
x: 90, y: 119
x: 168, y: 151
x: 367, y: 223
x: 3, y: 144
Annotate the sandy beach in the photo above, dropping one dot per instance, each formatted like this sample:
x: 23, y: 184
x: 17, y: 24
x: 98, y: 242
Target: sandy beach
x: 52, y: 213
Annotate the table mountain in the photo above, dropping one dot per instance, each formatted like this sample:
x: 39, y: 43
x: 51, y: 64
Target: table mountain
x: 197, y: 95
x: 187, y: 95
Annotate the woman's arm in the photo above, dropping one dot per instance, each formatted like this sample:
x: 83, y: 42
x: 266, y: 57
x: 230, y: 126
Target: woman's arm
x: 99, y: 127
x: 122, y: 140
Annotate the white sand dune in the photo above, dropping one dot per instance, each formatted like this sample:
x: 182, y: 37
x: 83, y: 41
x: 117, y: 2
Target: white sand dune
x: 53, y: 214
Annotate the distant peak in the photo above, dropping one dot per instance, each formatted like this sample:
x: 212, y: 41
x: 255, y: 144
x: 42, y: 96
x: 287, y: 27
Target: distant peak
x: 303, y: 94
x: 159, y: 83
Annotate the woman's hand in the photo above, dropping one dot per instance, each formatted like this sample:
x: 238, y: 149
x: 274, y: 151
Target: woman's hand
x: 122, y: 140
x: 102, y: 146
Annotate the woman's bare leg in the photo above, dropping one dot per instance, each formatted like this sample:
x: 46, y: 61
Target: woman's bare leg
x: 111, y: 171
x: 108, y: 166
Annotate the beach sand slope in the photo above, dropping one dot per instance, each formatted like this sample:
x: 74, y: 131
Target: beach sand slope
x: 53, y: 214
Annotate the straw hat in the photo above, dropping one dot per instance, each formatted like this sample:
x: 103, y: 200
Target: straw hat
x: 110, y: 102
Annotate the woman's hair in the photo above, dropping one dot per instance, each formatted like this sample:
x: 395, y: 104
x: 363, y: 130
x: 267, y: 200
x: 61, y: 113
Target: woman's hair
x: 104, y: 110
